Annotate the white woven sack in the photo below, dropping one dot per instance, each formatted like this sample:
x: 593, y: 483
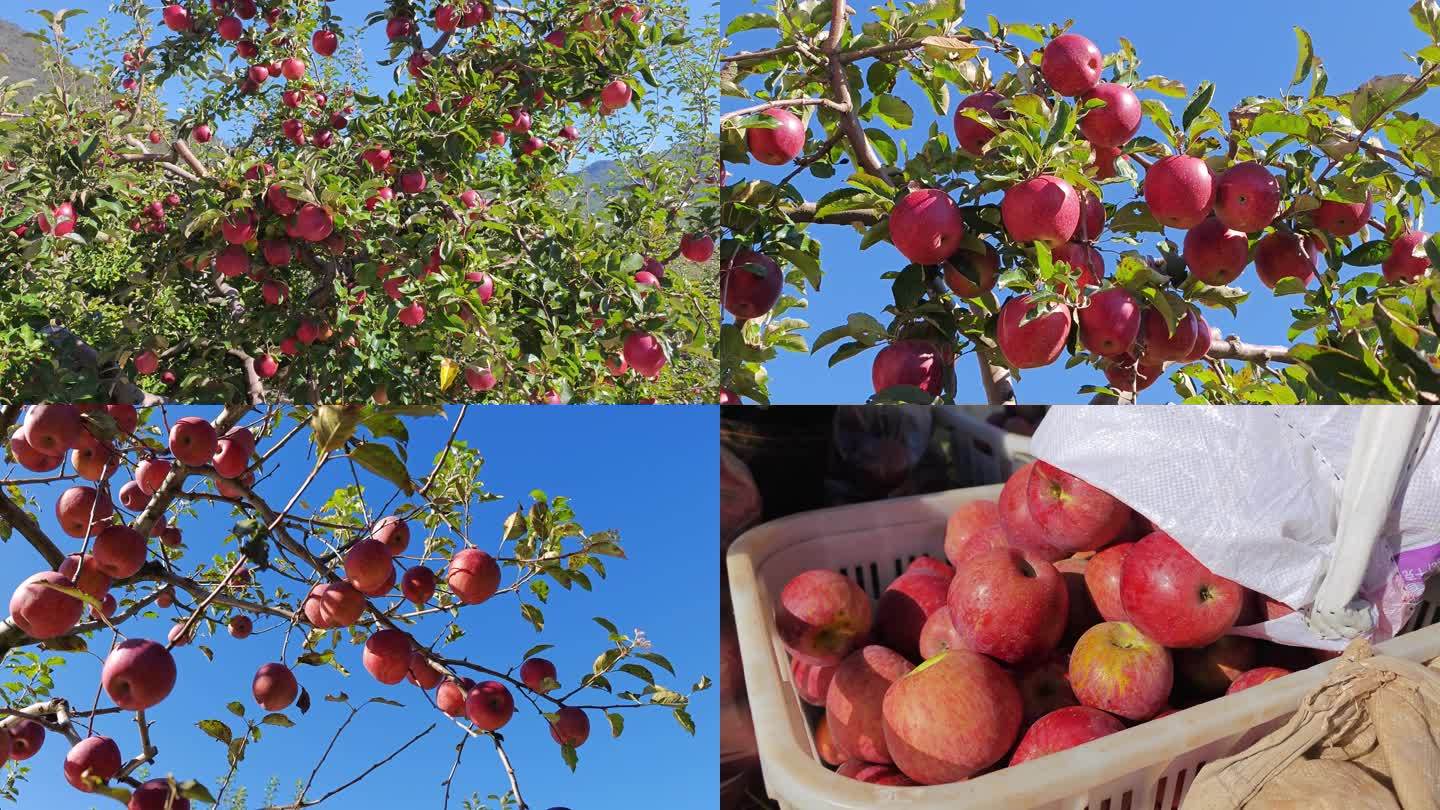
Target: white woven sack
x: 1254, y: 493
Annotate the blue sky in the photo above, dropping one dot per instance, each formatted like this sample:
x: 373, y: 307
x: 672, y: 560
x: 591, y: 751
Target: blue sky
x: 648, y: 472
x: 352, y: 12
x: 1245, y: 48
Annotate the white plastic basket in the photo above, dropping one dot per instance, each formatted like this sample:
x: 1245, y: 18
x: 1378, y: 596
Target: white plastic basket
x: 993, y: 453
x: 1148, y: 767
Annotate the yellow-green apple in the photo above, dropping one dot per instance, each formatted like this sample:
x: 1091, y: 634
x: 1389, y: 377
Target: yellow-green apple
x: 951, y: 717
x: 1009, y: 605
x: 1116, y: 668
x: 1062, y: 729
x: 1172, y: 597
x: 855, y: 699
x: 822, y: 616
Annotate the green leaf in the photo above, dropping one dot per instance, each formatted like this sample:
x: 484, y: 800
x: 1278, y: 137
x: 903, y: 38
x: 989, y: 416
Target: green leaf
x: 236, y: 708
x: 1064, y: 124
x: 1369, y: 254
x: 750, y: 22
x: 617, y: 723
x: 567, y: 753
x: 605, y: 623
x: 278, y: 719
x: 657, y: 659
x: 536, y: 650
x: 216, y: 729
x: 1198, y: 104
x: 683, y: 718
x: 381, y: 460
x: 533, y: 615
x: 514, y: 525
x: 1306, y: 57
x: 894, y: 111
x: 195, y: 791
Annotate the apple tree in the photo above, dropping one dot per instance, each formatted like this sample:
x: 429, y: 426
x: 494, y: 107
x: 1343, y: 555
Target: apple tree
x: 380, y: 570
x: 297, y: 226
x: 1041, y: 227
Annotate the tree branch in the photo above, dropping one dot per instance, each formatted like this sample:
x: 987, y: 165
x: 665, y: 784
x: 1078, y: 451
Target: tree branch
x: 785, y: 102
x: 840, y: 86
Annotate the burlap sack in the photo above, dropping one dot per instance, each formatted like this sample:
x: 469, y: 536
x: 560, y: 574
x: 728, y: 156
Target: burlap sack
x: 1367, y: 739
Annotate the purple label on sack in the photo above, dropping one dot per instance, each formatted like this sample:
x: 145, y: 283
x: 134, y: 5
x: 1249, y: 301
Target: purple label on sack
x: 1414, y: 565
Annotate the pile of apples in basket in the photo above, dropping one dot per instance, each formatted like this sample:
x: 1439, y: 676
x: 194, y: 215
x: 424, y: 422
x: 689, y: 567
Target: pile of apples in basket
x: 1062, y: 616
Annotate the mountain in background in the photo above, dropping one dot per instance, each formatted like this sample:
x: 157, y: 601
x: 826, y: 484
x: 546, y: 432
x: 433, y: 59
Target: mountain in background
x: 21, y: 59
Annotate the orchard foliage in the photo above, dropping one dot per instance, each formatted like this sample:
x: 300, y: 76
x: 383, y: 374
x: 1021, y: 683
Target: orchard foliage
x: 182, y: 524
x: 298, y: 228
x: 1322, y: 187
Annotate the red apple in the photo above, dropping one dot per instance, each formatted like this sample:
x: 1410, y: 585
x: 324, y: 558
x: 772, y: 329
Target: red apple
x: 387, y: 656
x: 1074, y: 515
x: 645, y: 353
x: 571, y: 727
x: 745, y: 293
x: 1342, y: 219
x: 1173, y: 598
x: 874, y: 773
x: 157, y: 794
x: 1407, y: 260
x: 489, y: 705
x: 422, y: 673
x: 1255, y: 677
x: 855, y: 699
x: 822, y: 616
x: 83, y: 512
x: 417, y: 584
x: 240, y: 627
x: 1045, y: 687
x: 926, y: 226
x: 40, y: 610
x: 91, y: 759
x: 472, y: 576
x: 1214, y: 253
x: 1102, y: 580
x: 450, y: 697
x: 274, y: 687
x: 984, y: 266
x: 812, y: 681
x: 1285, y: 255
x: 1071, y: 65
x: 951, y: 717
x: 917, y: 363
x: 1180, y: 191
x: 1247, y: 197
x: 1110, y: 322
x: 1062, y: 729
x: 938, y: 634
x: 1034, y: 342
x: 368, y: 564
x: 1009, y: 605
x: 830, y: 751
x: 26, y: 737
x: 138, y: 674
x: 1115, y: 123
x: 779, y: 145
x: 1021, y: 529
x: 970, y: 133
x: 1042, y: 209
x: 535, y: 671
x: 903, y: 608
x: 192, y: 441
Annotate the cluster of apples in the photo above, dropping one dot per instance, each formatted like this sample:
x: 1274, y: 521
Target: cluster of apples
x: 139, y: 673
x: 1221, y: 213
x: 1062, y: 616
